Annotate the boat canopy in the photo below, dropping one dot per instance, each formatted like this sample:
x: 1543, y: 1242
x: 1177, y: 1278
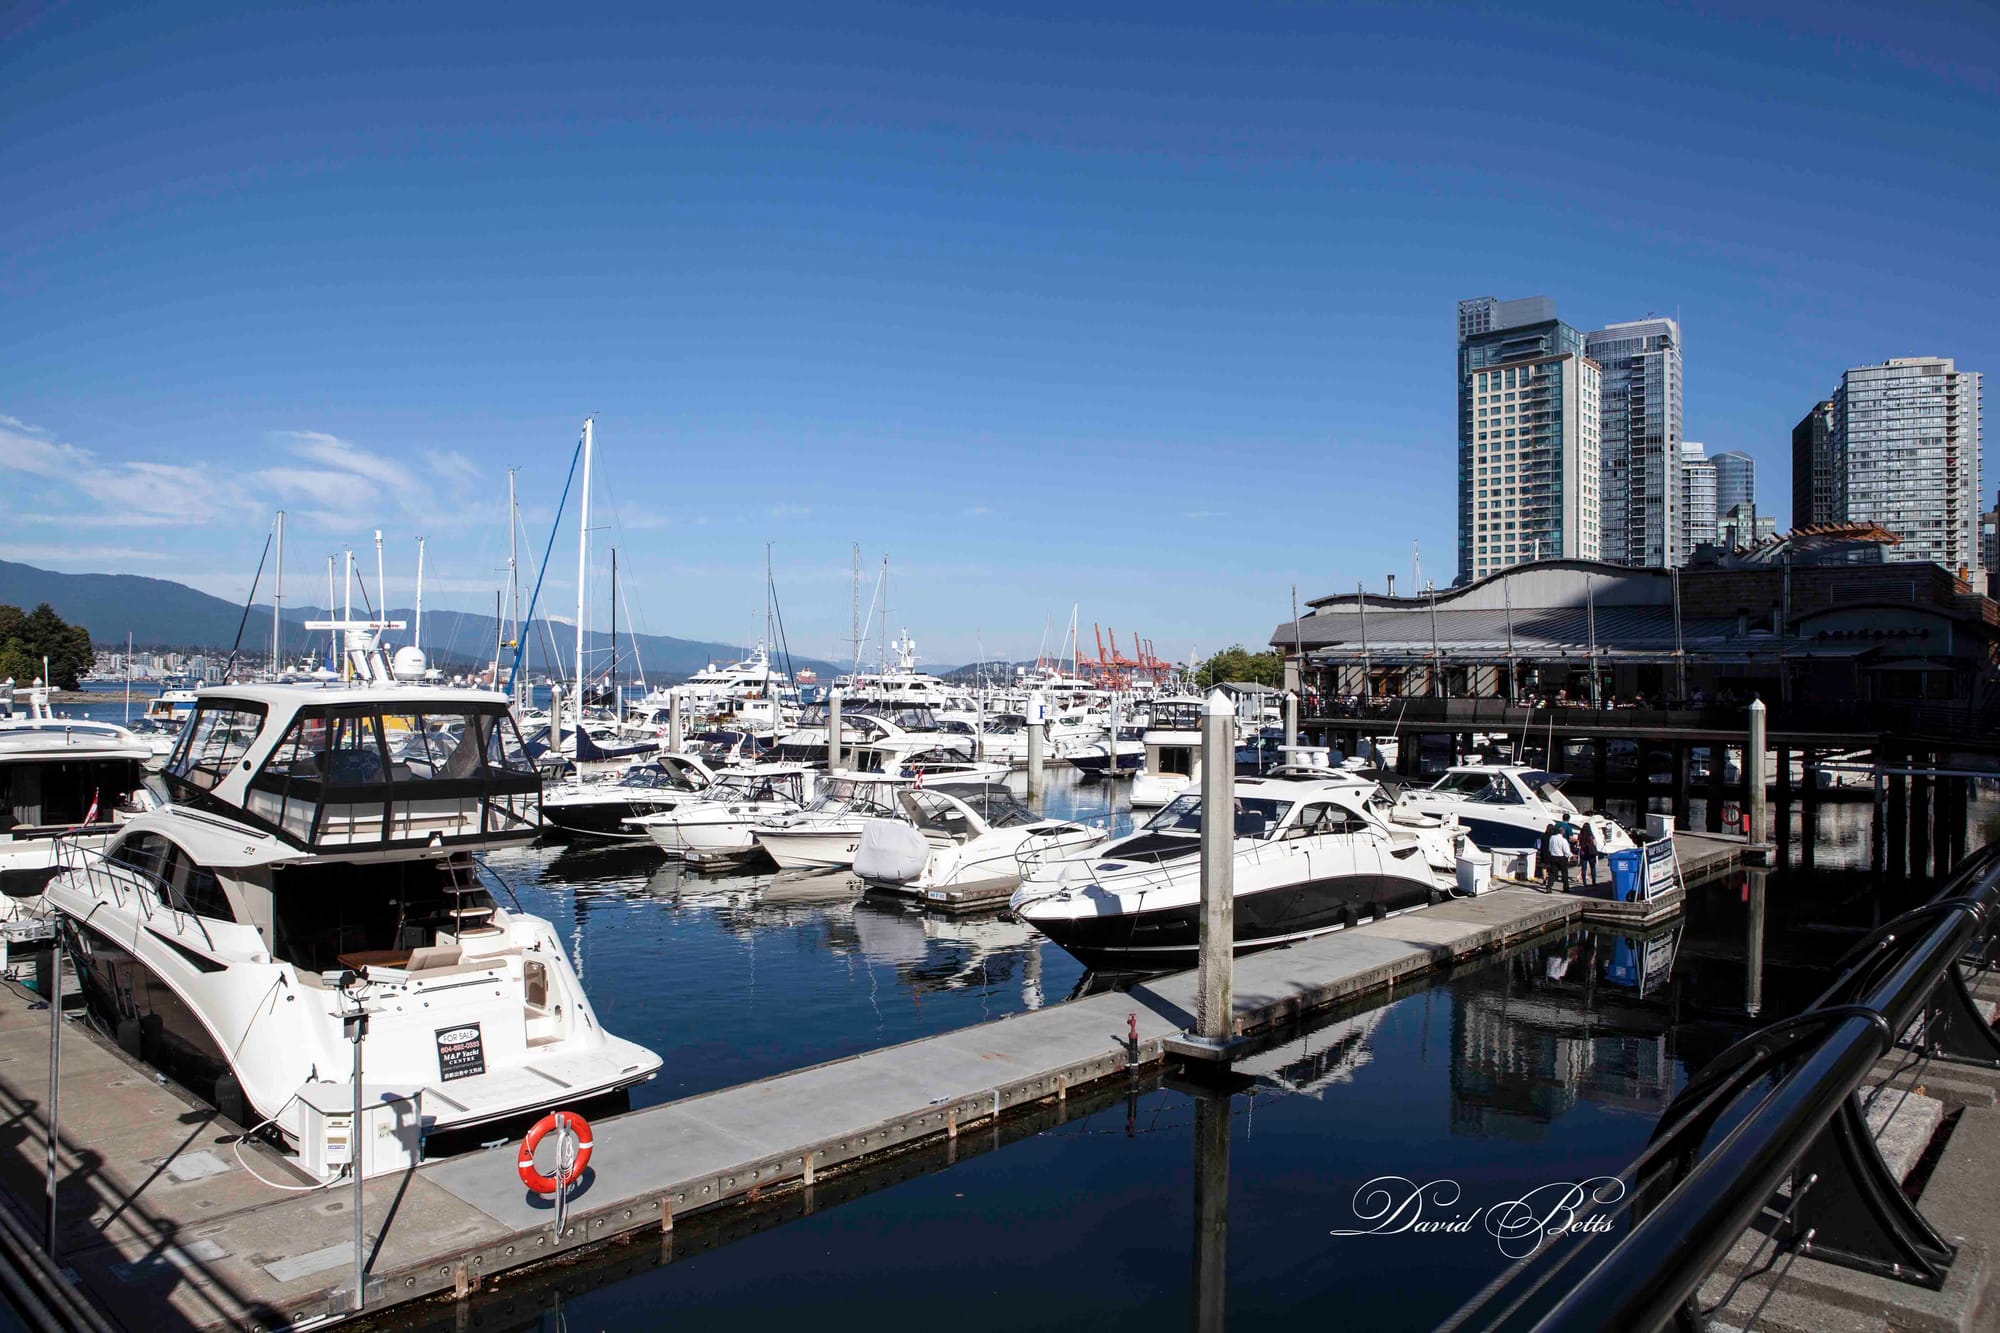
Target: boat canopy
x: 368, y: 774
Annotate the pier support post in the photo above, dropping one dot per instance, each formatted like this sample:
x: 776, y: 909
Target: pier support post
x: 1215, y: 979
x: 1718, y: 763
x: 1682, y: 754
x: 1898, y: 850
x: 676, y: 732
x: 1783, y: 815
x: 1600, y: 793
x: 1211, y: 1212
x: 1291, y: 718
x: 1036, y: 708
x: 1920, y: 817
x: 1753, y: 775
x: 1940, y: 822
x: 832, y: 732
x: 1753, y: 952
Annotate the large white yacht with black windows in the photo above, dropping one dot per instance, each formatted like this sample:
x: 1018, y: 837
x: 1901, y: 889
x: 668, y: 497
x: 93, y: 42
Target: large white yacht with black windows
x: 1311, y: 854
x: 1507, y: 807
x: 59, y: 777
x: 316, y: 854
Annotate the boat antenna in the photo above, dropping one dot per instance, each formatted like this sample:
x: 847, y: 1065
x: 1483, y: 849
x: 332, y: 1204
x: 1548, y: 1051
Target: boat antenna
x: 278, y: 598
x: 248, y: 602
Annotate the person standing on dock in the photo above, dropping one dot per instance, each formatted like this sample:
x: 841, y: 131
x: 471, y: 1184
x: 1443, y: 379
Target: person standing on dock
x: 1586, y: 852
x: 1556, y: 853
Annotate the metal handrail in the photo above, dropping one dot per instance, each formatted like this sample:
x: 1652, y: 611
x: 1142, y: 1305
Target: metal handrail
x: 1687, y: 1207
x: 91, y: 865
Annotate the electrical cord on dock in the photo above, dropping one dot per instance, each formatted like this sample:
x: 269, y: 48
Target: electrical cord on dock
x: 237, y: 1148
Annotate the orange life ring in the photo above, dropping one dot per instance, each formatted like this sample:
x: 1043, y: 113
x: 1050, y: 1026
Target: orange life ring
x: 546, y: 1184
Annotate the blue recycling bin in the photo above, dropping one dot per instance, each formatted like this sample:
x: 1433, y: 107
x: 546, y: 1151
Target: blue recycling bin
x: 1628, y: 875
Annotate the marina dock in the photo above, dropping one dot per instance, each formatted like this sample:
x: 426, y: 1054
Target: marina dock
x: 158, y: 1213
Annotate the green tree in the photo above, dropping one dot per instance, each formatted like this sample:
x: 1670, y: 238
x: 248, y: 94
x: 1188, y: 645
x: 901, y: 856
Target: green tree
x: 1238, y: 663
x: 27, y: 638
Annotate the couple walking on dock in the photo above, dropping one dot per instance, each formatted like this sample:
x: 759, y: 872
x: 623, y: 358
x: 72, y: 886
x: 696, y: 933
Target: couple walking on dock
x: 1559, y: 849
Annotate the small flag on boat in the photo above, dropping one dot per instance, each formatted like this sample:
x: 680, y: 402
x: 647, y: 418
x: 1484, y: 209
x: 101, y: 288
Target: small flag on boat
x: 91, y: 816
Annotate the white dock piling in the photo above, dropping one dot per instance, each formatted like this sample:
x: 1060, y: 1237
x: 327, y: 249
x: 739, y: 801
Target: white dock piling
x: 1754, y: 778
x: 833, y: 731
x: 1036, y: 710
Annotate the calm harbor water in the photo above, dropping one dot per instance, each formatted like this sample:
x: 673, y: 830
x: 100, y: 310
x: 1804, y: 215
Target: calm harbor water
x: 1550, y: 1064
x: 1544, y: 1066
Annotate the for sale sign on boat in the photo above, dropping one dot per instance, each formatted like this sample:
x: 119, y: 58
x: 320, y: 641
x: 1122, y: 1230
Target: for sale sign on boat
x: 461, y: 1052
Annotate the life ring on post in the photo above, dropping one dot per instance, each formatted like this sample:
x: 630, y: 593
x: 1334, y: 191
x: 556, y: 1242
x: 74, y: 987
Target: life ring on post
x: 535, y: 1179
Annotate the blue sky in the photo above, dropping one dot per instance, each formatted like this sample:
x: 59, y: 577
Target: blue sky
x: 1143, y: 308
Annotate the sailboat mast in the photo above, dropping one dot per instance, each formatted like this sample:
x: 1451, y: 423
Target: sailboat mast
x: 417, y: 635
x: 885, y: 614
x: 582, y: 574
x: 857, y: 608
x: 611, y: 672
x: 278, y: 596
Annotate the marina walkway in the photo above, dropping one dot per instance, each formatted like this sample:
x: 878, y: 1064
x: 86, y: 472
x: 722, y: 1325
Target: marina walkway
x: 160, y: 1217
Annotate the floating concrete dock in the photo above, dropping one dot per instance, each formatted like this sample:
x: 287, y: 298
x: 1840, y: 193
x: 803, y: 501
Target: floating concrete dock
x: 159, y: 1213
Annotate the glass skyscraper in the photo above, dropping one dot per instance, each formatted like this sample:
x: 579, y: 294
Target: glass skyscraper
x: 1528, y: 469
x: 1907, y: 434
x: 1735, y: 480
x: 1641, y: 441
x: 1818, y: 475
x: 1700, y: 485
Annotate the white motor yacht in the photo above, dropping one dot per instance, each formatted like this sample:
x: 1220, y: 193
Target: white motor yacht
x: 826, y: 833
x: 602, y: 808
x: 1507, y: 807
x: 1172, y: 741
x: 721, y: 823
x: 963, y: 837
x: 1311, y: 855
x: 316, y: 857
x: 58, y: 776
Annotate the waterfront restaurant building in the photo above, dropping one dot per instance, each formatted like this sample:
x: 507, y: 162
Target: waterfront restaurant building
x: 1818, y: 617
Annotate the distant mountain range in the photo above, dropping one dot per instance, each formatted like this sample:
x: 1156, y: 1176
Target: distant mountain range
x: 159, y: 613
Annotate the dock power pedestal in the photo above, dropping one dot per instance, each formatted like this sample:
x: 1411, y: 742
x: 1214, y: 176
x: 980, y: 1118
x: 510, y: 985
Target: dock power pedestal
x: 391, y: 1134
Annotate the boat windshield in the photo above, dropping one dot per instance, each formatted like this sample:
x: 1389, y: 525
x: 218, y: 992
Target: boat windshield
x: 756, y: 787
x: 656, y: 777
x: 1479, y: 788
x: 1175, y: 717
x: 861, y: 798
x: 354, y: 774
x: 1256, y: 816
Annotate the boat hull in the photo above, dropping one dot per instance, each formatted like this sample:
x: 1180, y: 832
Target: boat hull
x: 1169, y: 937
x: 799, y: 849
x: 600, y: 819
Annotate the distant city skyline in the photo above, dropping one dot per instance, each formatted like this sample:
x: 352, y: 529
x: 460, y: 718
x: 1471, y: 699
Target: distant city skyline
x: 1137, y: 312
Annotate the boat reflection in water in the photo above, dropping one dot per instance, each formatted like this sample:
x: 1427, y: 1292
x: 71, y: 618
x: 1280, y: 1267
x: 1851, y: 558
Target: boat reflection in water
x: 1577, y: 1019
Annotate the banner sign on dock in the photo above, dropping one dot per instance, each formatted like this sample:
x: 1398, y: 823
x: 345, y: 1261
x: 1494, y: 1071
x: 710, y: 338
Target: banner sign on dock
x: 461, y: 1052
x: 1660, y: 867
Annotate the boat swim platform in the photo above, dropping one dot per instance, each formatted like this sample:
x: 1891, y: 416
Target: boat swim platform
x: 164, y: 1229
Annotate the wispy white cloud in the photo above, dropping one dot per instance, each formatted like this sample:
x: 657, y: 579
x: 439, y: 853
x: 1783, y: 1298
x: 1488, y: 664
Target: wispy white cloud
x: 73, y: 554
x: 341, y: 456
x: 1203, y: 513
x: 454, y: 467
x: 24, y: 448
x: 133, y: 494
x: 975, y: 511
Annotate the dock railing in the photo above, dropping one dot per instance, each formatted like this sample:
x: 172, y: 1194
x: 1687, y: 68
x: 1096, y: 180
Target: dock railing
x: 1905, y: 719
x: 1772, y: 1135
